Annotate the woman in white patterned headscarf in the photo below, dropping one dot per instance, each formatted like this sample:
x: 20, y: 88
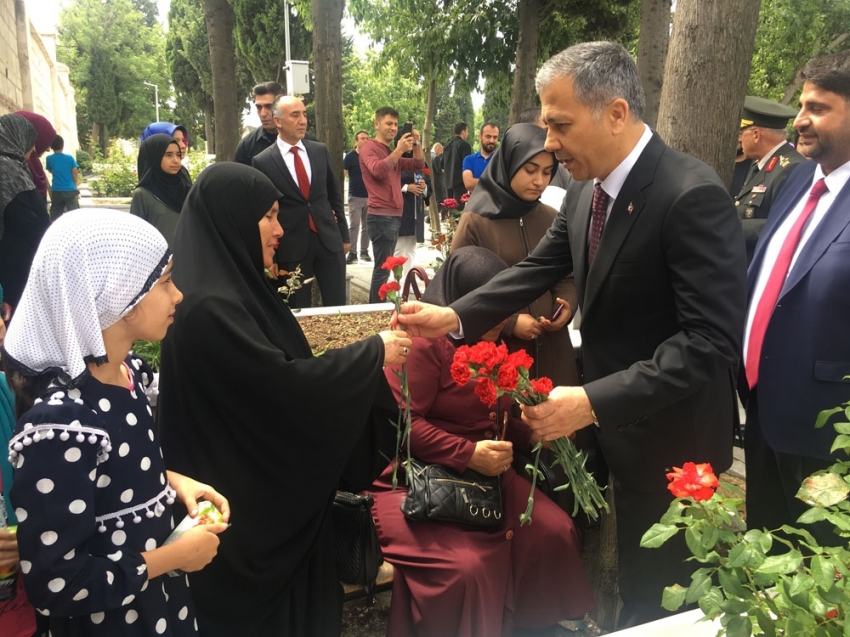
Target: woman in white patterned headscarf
x: 91, y: 493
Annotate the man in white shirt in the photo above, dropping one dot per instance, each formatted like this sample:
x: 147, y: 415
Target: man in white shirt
x: 797, y: 341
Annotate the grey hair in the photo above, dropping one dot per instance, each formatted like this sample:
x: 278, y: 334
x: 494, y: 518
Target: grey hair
x: 601, y: 72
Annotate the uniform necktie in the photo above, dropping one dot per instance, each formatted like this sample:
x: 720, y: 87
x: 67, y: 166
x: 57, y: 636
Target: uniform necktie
x: 599, y: 210
x: 303, y: 181
x: 775, y: 281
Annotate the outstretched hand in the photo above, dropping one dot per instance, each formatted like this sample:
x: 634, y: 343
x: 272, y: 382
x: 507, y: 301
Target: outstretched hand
x: 426, y: 320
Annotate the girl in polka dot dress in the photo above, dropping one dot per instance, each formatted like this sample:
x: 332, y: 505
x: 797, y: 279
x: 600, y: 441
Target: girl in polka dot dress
x: 91, y: 492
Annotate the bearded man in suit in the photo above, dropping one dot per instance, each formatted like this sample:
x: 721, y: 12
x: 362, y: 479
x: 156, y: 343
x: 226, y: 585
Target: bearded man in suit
x: 658, y: 255
x: 315, y: 232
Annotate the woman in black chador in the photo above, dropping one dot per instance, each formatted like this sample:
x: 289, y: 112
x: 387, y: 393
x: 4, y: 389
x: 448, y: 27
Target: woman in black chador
x: 243, y: 400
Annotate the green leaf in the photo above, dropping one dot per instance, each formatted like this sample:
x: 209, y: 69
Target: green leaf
x: 810, y: 540
x: 823, y: 572
x: 657, y: 535
x: 700, y: 585
x: 787, y: 563
x: 734, y: 606
x: 765, y: 622
x: 693, y: 538
x: 673, y: 597
x: 823, y: 489
x: 739, y: 627
x: 731, y: 583
x: 710, y: 603
x: 841, y: 441
x: 811, y: 516
x: 842, y: 427
x: 825, y: 415
x: 741, y: 555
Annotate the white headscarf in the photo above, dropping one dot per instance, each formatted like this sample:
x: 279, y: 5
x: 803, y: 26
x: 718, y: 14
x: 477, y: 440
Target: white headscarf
x: 92, y: 267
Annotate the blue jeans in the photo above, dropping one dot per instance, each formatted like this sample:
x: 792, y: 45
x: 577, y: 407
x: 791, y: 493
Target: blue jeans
x: 383, y: 232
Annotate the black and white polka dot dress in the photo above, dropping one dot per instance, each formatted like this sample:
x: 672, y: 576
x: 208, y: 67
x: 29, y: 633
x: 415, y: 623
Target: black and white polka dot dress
x: 91, y: 495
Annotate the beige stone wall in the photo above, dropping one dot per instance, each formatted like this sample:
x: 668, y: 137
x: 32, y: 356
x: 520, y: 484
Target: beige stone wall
x: 30, y: 76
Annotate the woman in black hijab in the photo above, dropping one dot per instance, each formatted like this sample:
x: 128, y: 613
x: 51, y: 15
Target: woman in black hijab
x: 243, y: 399
x: 505, y: 215
x: 163, y: 184
x: 23, y: 211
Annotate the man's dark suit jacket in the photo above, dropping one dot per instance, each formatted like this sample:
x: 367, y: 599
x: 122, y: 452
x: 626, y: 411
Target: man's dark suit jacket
x: 325, y: 200
x: 759, y: 191
x: 662, y: 313
x: 805, y: 356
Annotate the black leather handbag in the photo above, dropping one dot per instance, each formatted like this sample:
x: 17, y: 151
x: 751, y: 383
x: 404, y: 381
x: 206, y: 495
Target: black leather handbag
x: 437, y: 493
x: 358, y: 553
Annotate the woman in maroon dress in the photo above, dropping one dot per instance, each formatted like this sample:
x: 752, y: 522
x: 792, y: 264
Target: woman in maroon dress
x: 456, y: 580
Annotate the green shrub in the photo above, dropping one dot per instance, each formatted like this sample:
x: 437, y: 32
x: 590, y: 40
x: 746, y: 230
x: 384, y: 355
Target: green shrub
x: 116, y: 176
x: 195, y: 162
x: 84, y: 161
x: 150, y: 352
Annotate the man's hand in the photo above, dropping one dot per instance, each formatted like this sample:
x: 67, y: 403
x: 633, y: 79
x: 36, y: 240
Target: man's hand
x: 345, y: 248
x: 417, y: 189
x: 567, y: 410
x: 561, y: 320
x: 403, y: 145
x: 423, y: 319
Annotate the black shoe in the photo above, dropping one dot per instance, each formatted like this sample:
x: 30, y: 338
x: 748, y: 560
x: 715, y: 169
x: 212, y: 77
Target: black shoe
x: 366, y: 257
x: 352, y: 258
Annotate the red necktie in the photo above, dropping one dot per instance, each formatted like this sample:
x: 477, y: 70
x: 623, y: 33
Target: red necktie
x: 599, y: 210
x: 775, y: 281
x: 303, y: 181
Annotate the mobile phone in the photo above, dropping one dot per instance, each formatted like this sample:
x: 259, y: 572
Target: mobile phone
x: 557, y: 312
x: 407, y: 128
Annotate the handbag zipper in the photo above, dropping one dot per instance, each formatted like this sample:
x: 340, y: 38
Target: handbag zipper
x: 469, y: 484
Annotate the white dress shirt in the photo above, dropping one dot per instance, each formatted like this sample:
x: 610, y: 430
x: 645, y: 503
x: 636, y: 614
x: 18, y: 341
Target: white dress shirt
x: 289, y: 158
x: 613, y: 183
x: 835, y: 181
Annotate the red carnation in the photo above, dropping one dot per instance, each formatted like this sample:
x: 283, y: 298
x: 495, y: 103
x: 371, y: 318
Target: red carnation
x: 460, y: 372
x: 449, y: 203
x: 386, y: 288
x: 695, y: 481
x: 393, y: 262
x: 464, y: 197
x: 426, y: 171
x: 542, y: 385
x: 508, y: 377
x: 486, y: 390
x: 520, y: 358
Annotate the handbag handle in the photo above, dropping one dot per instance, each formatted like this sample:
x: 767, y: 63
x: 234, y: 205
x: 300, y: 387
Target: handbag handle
x: 415, y: 272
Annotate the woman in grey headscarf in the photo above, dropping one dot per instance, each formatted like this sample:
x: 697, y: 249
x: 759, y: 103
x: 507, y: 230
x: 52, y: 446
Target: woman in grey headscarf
x: 23, y: 211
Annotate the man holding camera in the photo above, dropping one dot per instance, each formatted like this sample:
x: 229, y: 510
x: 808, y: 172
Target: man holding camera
x: 382, y: 174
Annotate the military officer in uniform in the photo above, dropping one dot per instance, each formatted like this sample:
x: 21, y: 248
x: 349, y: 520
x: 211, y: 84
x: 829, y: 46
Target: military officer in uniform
x: 765, y: 140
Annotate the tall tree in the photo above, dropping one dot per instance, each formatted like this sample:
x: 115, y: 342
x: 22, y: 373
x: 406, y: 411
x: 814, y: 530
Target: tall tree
x: 327, y: 57
x: 705, y: 84
x: 652, y: 52
x: 220, y: 21
x: 522, y: 95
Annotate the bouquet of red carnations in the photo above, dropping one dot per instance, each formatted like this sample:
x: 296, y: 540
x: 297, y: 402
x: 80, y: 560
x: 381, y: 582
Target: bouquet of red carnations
x: 498, y: 373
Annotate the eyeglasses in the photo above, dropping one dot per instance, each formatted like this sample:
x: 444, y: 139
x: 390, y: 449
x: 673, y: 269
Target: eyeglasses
x: 5, y: 312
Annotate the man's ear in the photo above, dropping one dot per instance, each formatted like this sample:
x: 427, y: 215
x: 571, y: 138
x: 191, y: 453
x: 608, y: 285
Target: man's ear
x: 618, y: 115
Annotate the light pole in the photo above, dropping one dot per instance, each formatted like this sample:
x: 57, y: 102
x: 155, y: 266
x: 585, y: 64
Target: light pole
x: 155, y: 97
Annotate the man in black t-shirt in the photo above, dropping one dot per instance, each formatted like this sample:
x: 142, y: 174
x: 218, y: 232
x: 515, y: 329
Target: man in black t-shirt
x: 264, y: 135
x: 357, y: 197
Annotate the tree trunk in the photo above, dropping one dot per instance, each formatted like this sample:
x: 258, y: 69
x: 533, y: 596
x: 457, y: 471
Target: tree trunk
x: 209, y: 129
x: 220, y: 22
x: 522, y: 94
x: 327, y: 58
x: 95, y: 139
x: 652, y: 53
x: 430, y: 109
x: 705, y: 79
x: 104, y: 139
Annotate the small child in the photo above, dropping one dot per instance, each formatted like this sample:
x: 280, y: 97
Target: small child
x: 91, y: 491
x: 63, y: 191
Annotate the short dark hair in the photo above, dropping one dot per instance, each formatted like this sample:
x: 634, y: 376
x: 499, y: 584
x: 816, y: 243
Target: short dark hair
x: 830, y: 72
x: 268, y: 88
x: 58, y: 143
x: 486, y: 124
x: 360, y: 132
x: 460, y: 127
x: 529, y: 116
x: 382, y: 112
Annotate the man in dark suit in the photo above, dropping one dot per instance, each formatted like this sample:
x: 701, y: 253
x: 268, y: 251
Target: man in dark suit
x: 796, y: 343
x: 764, y: 140
x: 453, y: 155
x: 315, y: 233
x: 658, y: 256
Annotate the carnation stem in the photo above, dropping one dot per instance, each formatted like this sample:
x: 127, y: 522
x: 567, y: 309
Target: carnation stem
x: 525, y: 518
x: 588, y: 493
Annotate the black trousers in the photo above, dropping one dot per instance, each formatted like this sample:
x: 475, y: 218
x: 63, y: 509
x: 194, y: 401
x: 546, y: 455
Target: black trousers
x: 773, y: 479
x: 328, y: 268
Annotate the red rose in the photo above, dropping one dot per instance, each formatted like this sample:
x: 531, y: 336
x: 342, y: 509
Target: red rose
x: 426, y: 171
x: 449, y: 203
x: 460, y: 372
x: 486, y: 390
x: 542, y: 385
x: 386, y: 288
x: 832, y: 613
x: 464, y: 197
x: 695, y: 481
x: 508, y: 377
x: 393, y: 262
